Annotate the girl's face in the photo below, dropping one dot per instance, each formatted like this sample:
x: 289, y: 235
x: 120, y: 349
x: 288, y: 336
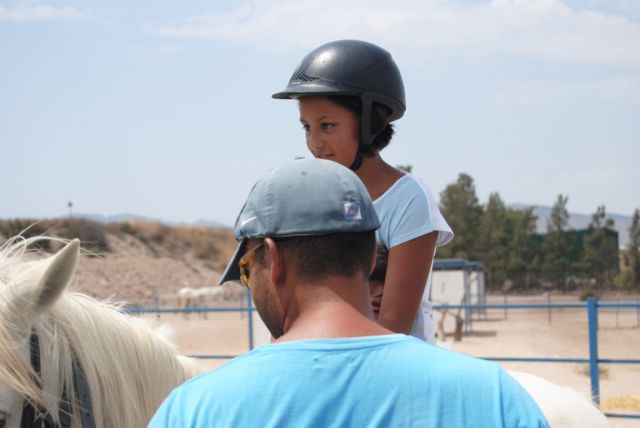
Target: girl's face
x: 376, y: 289
x: 332, y: 132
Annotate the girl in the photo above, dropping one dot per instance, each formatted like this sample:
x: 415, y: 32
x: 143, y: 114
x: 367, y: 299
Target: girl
x: 348, y: 93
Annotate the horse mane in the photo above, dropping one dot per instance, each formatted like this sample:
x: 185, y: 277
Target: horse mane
x: 129, y: 366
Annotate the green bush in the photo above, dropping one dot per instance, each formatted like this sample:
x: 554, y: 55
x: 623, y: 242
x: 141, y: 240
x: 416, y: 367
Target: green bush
x: 585, y: 370
x: 625, y: 278
x: 90, y: 233
x: 589, y: 292
x: 27, y: 228
x: 127, y: 228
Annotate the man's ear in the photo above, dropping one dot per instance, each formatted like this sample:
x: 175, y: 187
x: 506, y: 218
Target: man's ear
x: 275, y: 262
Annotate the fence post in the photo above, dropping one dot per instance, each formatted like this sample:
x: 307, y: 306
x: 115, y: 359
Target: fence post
x: 549, y: 305
x: 592, y: 312
x: 250, y: 318
x: 467, y: 312
x: 504, y: 300
x: 157, y: 306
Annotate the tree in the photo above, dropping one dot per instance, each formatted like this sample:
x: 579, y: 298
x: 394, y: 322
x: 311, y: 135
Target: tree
x: 459, y: 204
x: 600, y: 251
x: 493, y: 240
x: 559, y: 220
x: 557, y: 243
x: 523, y: 252
x: 633, y: 251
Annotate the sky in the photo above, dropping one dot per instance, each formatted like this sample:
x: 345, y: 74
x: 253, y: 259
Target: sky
x: 164, y: 109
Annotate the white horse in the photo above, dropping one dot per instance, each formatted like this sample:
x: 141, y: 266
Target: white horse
x: 68, y: 360
x: 194, y: 297
x: 563, y: 407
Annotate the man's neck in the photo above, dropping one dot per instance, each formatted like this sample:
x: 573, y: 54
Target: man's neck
x: 328, y: 311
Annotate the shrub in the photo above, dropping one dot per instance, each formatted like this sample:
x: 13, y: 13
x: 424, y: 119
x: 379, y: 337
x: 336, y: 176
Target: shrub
x: 27, y: 228
x: 584, y: 369
x: 589, y: 292
x: 126, y: 228
x: 625, y: 278
x: 90, y: 233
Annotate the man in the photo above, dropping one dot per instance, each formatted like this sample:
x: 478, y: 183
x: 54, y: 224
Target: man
x: 307, y: 246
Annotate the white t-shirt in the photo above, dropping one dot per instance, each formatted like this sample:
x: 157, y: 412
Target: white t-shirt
x: 406, y: 211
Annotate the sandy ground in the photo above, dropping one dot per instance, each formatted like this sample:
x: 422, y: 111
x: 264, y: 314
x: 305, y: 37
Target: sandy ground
x: 524, y: 333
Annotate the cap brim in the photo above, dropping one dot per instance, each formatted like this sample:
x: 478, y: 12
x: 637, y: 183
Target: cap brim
x: 232, y: 271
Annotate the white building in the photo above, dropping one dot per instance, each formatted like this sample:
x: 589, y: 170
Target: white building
x: 456, y: 282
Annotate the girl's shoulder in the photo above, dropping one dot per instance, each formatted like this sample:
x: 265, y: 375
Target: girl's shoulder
x: 405, y: 186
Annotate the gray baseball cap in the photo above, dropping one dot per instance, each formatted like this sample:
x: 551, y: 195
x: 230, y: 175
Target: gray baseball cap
x: 302, y: 197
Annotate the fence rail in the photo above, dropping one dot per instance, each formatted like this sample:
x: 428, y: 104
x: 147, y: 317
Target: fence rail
x: 591, y: 305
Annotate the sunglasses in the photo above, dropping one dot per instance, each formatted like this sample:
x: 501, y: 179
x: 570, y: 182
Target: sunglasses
x: 245, y: 264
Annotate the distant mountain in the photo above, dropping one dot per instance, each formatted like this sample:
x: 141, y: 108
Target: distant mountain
x: 116, y: 218
x: 580, y: 221
x: 120, y: 218
x: 211, y: 223
x: 576, y: 220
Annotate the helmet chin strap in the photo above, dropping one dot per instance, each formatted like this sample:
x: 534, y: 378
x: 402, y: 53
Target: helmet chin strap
x: 357, y: 163
x: 365, y: 131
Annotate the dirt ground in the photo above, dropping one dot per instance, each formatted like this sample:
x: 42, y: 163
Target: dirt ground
x: 518, y: 333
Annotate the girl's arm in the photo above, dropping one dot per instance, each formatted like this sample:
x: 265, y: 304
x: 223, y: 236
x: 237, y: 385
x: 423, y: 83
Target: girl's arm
x: 407, y: 273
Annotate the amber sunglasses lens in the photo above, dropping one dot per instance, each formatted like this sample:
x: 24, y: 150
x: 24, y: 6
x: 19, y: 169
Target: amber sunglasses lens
x: 244, y: 273
x: 245, y: 264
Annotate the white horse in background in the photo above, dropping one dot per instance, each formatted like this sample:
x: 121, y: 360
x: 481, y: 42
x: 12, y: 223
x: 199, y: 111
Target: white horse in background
x: 195, y: 297
x: 67, y: 360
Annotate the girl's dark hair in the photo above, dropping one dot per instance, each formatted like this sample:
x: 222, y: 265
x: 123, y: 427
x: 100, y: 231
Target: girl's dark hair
x: 380, y: 270
x: 379, y: 115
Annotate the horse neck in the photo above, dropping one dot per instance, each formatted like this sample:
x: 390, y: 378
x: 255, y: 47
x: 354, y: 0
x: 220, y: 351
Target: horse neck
x: 129, y: 367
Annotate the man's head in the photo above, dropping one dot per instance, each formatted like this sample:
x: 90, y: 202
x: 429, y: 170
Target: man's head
x: 312, y: 217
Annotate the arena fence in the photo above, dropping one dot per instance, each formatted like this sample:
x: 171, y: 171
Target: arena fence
x: 592, y: 307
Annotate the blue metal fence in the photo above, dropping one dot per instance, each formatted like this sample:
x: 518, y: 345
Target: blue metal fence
x: 592, y: 306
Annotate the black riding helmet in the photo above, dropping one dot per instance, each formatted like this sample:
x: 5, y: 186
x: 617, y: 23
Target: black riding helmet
x: 357, y: 68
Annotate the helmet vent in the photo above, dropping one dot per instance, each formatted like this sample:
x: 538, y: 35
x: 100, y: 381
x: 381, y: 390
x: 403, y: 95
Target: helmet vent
x: 300, y: 75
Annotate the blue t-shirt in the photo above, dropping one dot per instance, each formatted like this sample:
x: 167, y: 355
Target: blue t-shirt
x: 379, y: 381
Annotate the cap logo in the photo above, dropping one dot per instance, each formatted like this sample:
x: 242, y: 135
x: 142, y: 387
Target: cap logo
x: 352, y: 211
x: 248, y: 220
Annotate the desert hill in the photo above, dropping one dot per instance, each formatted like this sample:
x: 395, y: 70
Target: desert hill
x: 135, y: 261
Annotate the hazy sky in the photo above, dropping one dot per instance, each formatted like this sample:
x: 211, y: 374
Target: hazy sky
x: 164, y: 109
